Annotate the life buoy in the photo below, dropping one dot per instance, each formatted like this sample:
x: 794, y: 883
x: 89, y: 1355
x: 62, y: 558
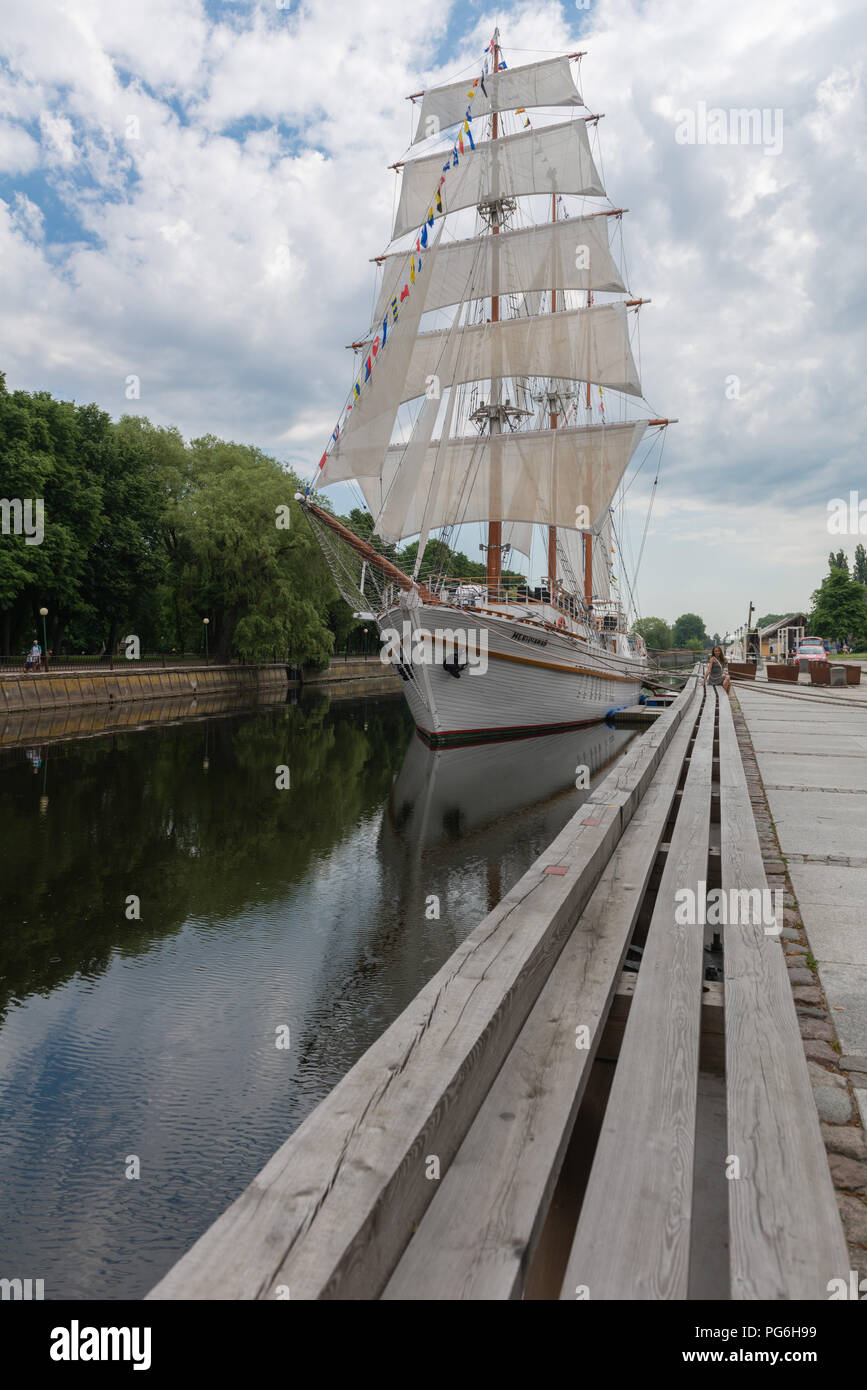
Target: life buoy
x: 561, y: 624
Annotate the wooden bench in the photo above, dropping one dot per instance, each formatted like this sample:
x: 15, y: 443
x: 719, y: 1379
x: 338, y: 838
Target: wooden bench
x: 635, y: 1236
x: 785, y: 1236
x: 479, y: 1235
x: 742, y: 670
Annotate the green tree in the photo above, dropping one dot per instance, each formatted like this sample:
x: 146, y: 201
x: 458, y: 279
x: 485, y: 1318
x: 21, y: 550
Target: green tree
x: 839, y: 608
x: 656, y: 633
x: 689, y: 626
x: 695, y: 644
x: 859, y: 568
x: 838, y: 561
x: 265, y: 587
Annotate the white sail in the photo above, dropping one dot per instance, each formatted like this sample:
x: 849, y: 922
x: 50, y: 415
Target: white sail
x: 554, y: 159
x: 530, y: 476
x: 549, y: 83
x: 602, y: 558
x: 568, y: 255
x: 589, y: 344
x: 519, y: 535
x: 367, y: 429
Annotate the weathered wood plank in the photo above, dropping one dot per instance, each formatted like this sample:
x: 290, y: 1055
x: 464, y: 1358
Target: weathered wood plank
x: 332, y: 1211
x: 633, y: 1234
x: 478, y: 1235
x: 785, y: 1236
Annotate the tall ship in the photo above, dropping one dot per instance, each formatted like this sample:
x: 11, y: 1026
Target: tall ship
x: 497, y: 386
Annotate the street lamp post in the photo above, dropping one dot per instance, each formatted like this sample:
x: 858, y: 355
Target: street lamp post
x: 44, y: 612
x: 206, y: 621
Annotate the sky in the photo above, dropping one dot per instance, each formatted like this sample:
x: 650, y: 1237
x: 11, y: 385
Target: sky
x: 190, y: 194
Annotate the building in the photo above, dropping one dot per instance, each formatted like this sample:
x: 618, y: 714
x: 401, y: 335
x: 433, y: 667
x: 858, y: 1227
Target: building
x: 779, y: 640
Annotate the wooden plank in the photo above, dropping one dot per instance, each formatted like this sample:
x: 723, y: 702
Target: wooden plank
x: 477, y: 1237
x: 712, y: 1046
x: 785, y: 1236
x: 633, y: 1234
x: 332, y: 1211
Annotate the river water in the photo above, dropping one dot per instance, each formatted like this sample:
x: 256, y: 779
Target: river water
x: 172, y: 919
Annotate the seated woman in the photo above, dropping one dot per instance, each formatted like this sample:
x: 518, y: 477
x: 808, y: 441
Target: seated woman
x: 717, y: 671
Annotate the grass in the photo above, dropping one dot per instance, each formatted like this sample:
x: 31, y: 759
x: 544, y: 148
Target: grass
x: 849, y: 656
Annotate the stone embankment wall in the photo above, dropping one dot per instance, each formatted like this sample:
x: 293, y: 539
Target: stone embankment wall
x: 64, y: 689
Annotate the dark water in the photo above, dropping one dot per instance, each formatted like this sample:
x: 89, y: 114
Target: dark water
x: 311, y: 908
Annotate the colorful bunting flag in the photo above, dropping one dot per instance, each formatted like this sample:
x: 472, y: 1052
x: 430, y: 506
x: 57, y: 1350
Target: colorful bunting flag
x: 422, y: 242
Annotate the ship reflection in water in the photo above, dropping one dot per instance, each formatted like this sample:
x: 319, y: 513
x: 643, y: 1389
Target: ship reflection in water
x: 475, y: 818
x: 313, y: 907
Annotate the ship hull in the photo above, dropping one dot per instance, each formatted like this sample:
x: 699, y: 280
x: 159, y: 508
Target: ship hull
x: 523, y: 681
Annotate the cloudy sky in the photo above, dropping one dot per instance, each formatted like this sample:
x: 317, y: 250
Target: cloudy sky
x: 190, y: 193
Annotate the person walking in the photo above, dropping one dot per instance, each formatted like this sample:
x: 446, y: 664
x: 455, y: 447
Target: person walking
x: 717, y: 671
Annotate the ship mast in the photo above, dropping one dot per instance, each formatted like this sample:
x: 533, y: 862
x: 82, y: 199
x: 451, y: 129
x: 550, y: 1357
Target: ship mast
x: 552, y: 530
x: 495, y: 528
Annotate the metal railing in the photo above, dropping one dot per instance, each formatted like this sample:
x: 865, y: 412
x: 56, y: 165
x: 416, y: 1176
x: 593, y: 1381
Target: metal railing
x: 118, y: 662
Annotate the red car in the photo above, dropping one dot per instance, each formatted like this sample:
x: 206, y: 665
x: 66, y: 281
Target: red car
x: 810, y: 649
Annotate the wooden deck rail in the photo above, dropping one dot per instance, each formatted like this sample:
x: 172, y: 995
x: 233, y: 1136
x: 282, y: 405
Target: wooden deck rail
x: 494, y: 1068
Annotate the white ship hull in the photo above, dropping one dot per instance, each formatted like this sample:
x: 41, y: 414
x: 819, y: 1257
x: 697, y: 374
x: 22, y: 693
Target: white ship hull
x: 532, y: 679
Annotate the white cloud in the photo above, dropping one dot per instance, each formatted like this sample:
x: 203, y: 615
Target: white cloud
x: 19, y: 153
x: 224, y: 183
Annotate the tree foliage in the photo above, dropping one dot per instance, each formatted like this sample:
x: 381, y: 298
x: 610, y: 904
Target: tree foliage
x: 147, y: 535
x: 656, y: 633
x: 689, y: 626
x: 839, y: 608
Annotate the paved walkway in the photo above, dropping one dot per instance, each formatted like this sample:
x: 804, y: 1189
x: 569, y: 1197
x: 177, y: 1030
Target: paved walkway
x: 811, y: 748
